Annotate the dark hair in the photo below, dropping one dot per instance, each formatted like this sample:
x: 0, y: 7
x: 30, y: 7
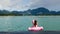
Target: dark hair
x: 35, y: 22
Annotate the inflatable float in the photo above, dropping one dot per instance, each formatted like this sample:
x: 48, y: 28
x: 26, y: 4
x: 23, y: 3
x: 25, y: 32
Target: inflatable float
x: 35, y: 28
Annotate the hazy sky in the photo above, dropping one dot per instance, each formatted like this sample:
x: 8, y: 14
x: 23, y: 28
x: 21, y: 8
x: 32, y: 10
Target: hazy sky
x: 29, y: 4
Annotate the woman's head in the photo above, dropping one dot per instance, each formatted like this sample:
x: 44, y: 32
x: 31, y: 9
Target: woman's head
x: 34, y: 22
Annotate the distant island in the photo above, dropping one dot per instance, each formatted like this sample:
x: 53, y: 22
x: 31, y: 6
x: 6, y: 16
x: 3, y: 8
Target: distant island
x: 35, y: 12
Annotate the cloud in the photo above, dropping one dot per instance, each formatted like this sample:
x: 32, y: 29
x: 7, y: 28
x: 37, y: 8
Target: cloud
x: 49, y: 4
x: 4, y: 4
x: 26, y: 4
x: 29, y: 4
x: 52, y: 4
x: 20, y: 4
x: 35, y: 4
x: 13, y: 5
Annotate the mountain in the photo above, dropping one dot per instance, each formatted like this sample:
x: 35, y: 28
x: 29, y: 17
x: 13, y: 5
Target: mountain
x: 37, y: 11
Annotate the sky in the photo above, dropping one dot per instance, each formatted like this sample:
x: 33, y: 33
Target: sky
x: 22, y: 5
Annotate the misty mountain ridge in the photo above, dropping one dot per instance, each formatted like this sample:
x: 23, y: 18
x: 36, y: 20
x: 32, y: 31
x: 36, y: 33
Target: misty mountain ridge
x: 38, y: 11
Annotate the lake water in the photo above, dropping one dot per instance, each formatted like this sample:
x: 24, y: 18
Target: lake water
x: 21, y: 23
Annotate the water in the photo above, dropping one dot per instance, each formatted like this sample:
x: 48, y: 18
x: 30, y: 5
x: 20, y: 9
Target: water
x: 21, y: 23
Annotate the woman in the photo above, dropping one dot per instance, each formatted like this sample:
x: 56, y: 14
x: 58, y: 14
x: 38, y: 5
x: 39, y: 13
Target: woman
x: 34, y: 22
x: 35, y: 27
